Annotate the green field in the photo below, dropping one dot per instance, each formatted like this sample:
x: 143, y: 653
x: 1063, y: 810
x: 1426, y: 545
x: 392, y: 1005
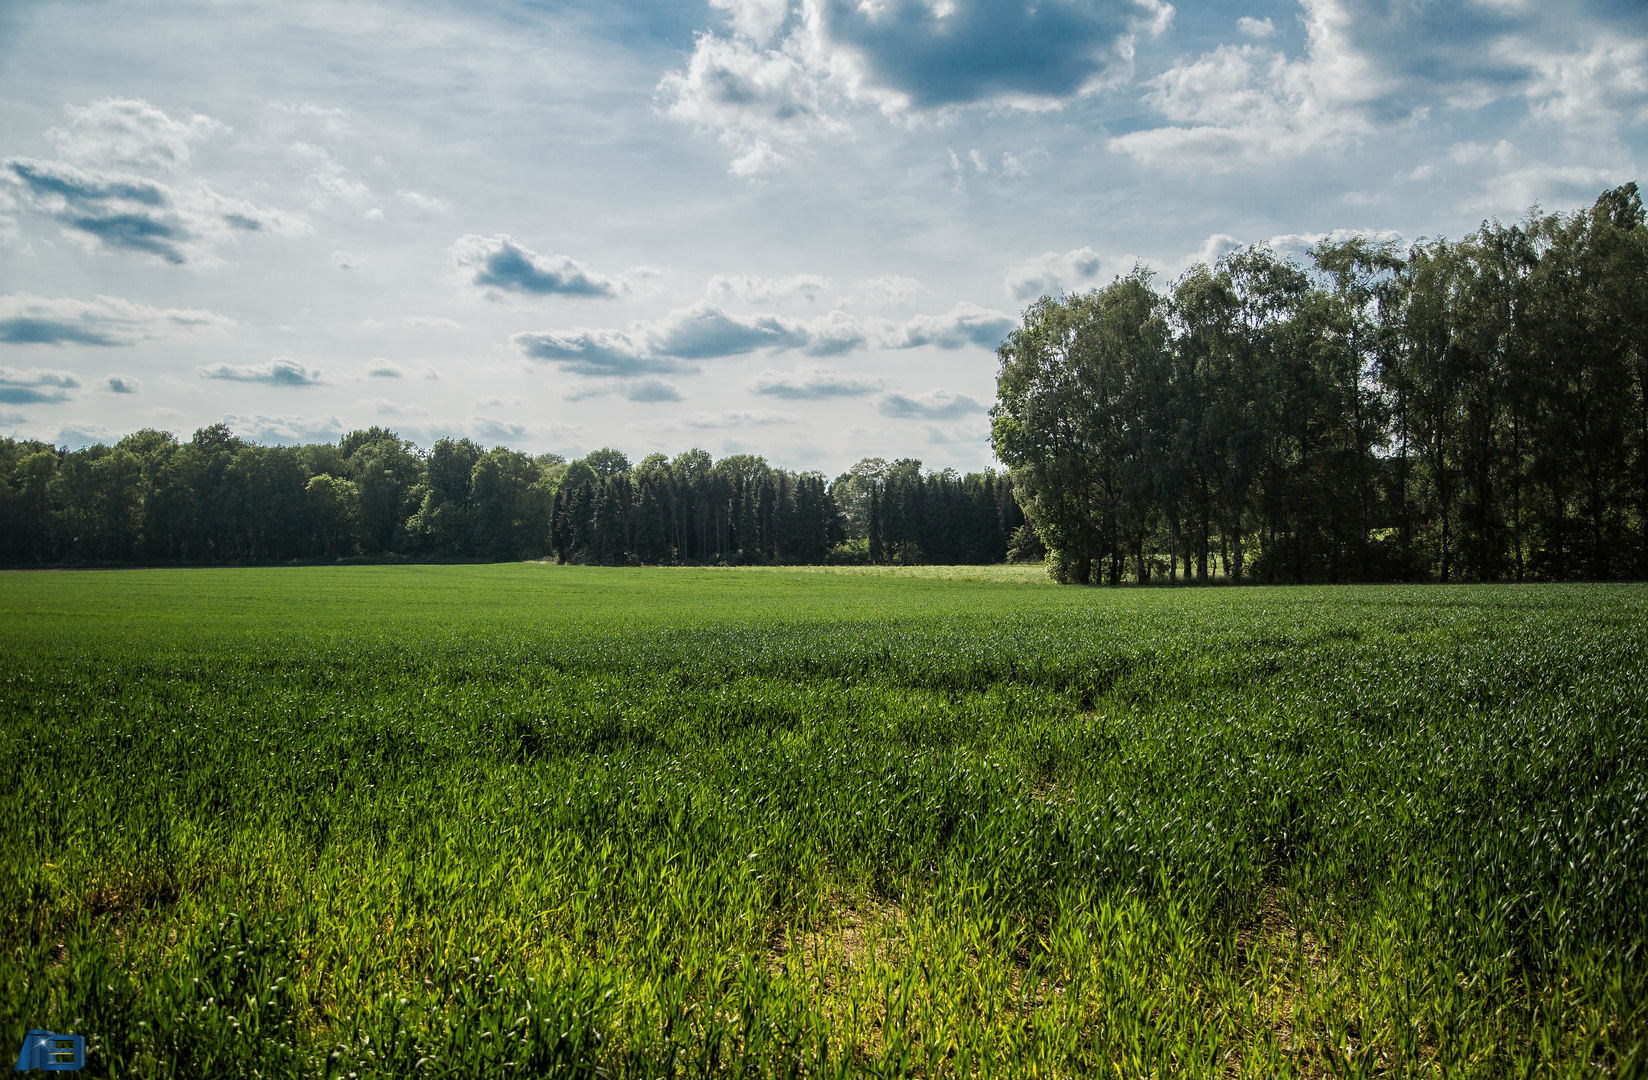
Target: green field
x: 537, y: 820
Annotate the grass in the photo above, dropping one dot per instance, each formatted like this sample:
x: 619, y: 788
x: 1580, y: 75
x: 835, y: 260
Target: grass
x: 536, y: 820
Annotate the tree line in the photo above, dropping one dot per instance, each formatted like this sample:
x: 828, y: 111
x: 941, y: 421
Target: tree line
x: 216, y: 498
x: 1472, y: 409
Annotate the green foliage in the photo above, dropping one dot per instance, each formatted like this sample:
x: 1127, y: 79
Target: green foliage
x: 540, y: 820
x: 1474, y: 408
x: 218, y: 499
x: 741, y: 511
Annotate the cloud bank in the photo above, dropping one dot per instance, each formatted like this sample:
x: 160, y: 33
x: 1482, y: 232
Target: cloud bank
x: 706, y: 332
x: 815, y: 382
x: 35, y: 386
x: 108, y: 321
x: 785, y: 73
x: 117, y: 211
x: 933, y: 405
x: 281, y: 371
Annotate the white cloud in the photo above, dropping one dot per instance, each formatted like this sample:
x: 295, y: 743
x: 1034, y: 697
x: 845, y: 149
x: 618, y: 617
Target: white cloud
x: 386, y: 407
x: 1054, y: 271
x: 125, y: 212
x: 431, y: 203
x: 766, y: 99
x: 1213, y: 249
x: 1513, y: 183
x: 888, y: 290
x: 757, y: 20
x: 380, y: 368
x: 80, y: 436
x: 498, y: 264
x: 1517, y: 189
x: 815, y: 381
x: 123, y: 384
x: 705, y: 331
x: 128, y: 133
x: 284, y: 430
x: 36, y: 386
x: 651, y: 390
x: 760, y: 102
x: 964, y: 324
x: 724, y: 288
x: 107, y: 320
x: 1258, y: 29
x: 933, y: 405
x: 329, y: 182
x: 431, y: 322
x: 281, y: 371
x: 1244, y: 106
x: 1596, y: 88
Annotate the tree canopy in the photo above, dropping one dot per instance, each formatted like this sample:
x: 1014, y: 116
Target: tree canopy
x: 217, y: 499
x: 1461, y: 409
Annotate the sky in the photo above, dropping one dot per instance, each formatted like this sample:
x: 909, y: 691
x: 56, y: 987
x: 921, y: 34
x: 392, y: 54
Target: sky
x: 793, y: 228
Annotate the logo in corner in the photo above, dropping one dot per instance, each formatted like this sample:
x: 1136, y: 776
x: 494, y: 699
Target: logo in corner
x: 53, y: 1053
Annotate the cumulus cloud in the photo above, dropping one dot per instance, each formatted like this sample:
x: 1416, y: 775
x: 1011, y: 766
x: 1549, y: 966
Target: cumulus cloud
x: 107, y: 320
x: 421, y: 201
x: 1242, y: 106
x: 129, y: 133
x: 933, y: 405
x: 584, y: 351
x: 812, y: 382
x: 1517, y: 184
x: 35, y: 386
x: 1372, y: 68
x: 384, y: 369
x: 500, y: 263
x: 965, y: 324
x: 646, y: 390
x: 1213, y: 249
x: 500, y: 431
x: 924, y: 54
x: 80, y: 436
x: 705, y: 331
x: 757, y: 20
x: 122, y: 384
x: 386, y: 407
x: 1596, y: 86
x: 651, y: 390
x: 767, y: 95
x: 126, y: 212
x: 725, y: 288
x: 285, y: 430
x: 888, y: 290
x: 1053, y: 271
x: 760, y: 102
x: 281, y: 371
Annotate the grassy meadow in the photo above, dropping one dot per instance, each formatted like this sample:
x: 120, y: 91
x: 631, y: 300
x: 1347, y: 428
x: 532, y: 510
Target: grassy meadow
x: 533, y: 820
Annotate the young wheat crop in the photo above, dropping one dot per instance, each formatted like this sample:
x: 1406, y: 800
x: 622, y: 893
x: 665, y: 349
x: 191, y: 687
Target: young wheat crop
x: 532, y: 820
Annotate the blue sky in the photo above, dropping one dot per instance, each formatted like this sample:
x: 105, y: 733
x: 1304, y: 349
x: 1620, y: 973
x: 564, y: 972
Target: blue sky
x: 788, y: 227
